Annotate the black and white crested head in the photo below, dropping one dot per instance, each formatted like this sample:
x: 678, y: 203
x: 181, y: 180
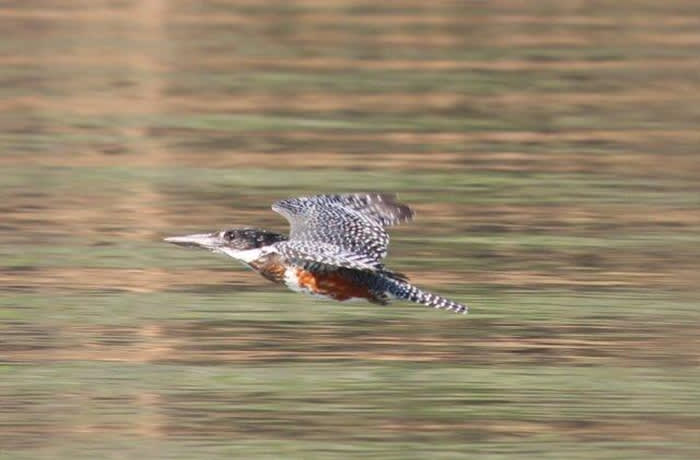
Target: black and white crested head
x: 245, y: 244
x: 250, y: 238
x: 343, y: 230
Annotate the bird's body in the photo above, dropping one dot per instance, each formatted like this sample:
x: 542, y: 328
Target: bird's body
x: 335, y: 249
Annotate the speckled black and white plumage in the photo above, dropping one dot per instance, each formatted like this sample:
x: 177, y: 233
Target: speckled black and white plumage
x: 348, y: 232
x: 406, y: 291
x: 342, y: 230
x: 386, y: 287
x: 336, y: 249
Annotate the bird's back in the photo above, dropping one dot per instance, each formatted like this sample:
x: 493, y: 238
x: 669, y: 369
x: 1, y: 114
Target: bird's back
x: 345, y: 230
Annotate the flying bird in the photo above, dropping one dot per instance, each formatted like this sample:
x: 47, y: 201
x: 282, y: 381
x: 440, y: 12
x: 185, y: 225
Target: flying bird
x: 335, y: 249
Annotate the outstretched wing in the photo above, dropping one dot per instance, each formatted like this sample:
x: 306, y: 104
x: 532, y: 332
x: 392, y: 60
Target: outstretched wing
x: 325, y: 256
x: 380, y: 207
x: 341, y: 230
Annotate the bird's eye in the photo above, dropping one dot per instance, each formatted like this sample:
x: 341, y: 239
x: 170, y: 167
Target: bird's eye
x: 229, y: 235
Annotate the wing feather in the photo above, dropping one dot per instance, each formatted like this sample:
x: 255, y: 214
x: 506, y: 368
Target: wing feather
x: 344, y: 230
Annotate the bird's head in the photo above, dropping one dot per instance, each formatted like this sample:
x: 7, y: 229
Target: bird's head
x: 240, y: 243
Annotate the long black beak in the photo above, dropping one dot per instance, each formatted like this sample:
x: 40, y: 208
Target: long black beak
x: 198, y: 240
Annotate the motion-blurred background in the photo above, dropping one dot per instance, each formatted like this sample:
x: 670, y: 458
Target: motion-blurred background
x: 550, y: 149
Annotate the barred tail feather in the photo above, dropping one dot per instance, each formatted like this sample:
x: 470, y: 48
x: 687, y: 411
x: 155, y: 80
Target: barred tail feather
x: 406, y: 291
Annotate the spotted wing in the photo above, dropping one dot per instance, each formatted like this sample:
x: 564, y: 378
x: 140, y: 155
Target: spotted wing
x: 324, y: 256
x: 380, y: 207
x: 341, y: 230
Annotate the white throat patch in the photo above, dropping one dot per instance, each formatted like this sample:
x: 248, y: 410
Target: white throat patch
x: 245, y: 256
